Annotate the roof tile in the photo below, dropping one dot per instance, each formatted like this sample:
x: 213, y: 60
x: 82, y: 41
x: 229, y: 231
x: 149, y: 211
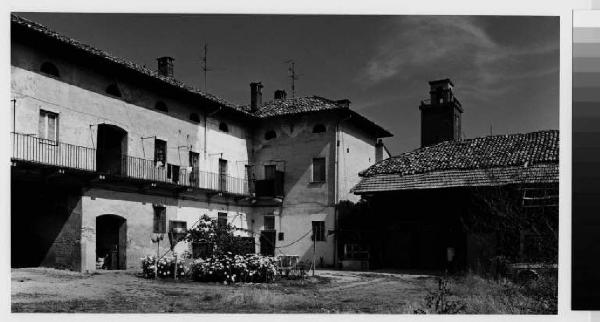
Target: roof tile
x: 479, y: 153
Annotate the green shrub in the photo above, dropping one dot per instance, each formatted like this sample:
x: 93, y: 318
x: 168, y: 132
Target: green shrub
x: 229, y: 268
x: 166, y: 267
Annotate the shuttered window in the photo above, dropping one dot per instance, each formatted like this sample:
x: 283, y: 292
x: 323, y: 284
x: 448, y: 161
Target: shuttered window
x: 318, y: 170
x: 318, y: 228
x: 48, y: 126
x: 269, y: 222
x: 160, y: 220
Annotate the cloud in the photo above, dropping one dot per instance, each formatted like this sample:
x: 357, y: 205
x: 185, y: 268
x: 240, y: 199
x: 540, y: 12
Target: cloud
x: 457, y: 47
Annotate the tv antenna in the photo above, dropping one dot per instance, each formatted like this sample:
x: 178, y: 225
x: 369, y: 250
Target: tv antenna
x: 292, y: 75
x: 205, y: 68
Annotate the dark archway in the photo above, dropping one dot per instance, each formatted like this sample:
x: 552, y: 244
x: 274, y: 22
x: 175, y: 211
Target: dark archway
x: 111, y: 241
x: 111, y: 151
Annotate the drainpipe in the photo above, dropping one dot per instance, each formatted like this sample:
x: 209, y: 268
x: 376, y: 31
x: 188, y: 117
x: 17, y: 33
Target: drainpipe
x: 14, y: 101
x: 336, y: 189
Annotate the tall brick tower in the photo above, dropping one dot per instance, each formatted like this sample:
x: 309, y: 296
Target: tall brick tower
x: 441, y: 114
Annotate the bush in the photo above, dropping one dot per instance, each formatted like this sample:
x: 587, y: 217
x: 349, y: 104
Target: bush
x: 166, y: 266
x: 229, y: 268
x: 438, y: 301
x: 148, y: 266
x: 207, y: 237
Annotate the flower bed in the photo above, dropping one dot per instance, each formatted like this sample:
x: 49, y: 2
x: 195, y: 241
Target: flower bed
x: 230, y: 268
x: 166, y: 267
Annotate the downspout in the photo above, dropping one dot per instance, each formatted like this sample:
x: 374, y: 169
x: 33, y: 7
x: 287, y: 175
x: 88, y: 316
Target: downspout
x: 14, y: 101
x: 336, y: 190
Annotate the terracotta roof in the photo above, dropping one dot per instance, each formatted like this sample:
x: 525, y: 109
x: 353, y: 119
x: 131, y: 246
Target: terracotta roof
x: 38, y: 28
x: 298, y: 105
x: 270, y: 109
x: 491, y: 160
x: 541, y: 173
x: 311, y: 104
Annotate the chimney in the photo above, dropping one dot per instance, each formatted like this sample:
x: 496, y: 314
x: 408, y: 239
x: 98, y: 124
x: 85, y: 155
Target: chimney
x: 255, y: 96
x: 165, y: 66
x: 280, y: 94
x: 441, y: 115
x: 343, y: 102
x: 440, y: 91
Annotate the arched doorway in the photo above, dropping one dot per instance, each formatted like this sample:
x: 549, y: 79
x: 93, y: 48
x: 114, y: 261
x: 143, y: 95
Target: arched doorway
x: 111, y: 241
x: 111, y: 149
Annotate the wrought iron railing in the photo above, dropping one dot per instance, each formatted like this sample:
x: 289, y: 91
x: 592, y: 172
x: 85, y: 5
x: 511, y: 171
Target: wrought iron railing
x: 33, y: 149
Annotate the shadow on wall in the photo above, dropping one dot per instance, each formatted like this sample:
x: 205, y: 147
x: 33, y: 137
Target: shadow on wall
x: 45, y: 226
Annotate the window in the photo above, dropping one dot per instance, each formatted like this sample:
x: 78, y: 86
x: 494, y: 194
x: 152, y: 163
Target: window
x: 48, y: 126
x: 49, y: 69
x: 223, y: 127
x: 161, y: 106
x: 280, y: 236
x: 178, y: 227
x: 269, y: 135
x: 319, y: 128
x: 318, y: 170
x: 222, y: 220
x: 113, y: 90
x: 160, y: 220
x: 222, y: 174
x: 269, y: 222
x: 194, y: 117
x: 318, y: 228
x: 160, y: 152
x: 270, y: 170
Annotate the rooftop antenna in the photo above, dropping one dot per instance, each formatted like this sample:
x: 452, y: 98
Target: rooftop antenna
x: 292, y: 75
x: 205, y: 68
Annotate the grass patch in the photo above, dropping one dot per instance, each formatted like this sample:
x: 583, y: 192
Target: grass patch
x: 473, y: 294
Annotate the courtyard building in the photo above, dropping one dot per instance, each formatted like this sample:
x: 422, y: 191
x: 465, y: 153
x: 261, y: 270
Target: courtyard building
x: 108, y: 155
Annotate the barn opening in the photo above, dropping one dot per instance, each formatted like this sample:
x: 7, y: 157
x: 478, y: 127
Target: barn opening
x: 45, y: 223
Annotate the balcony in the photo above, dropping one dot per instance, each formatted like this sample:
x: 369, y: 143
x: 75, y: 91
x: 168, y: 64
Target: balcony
x: 34, y: 150
x: 272, y: 187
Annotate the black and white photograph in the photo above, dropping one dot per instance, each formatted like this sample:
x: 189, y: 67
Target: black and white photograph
x: 284, y: 163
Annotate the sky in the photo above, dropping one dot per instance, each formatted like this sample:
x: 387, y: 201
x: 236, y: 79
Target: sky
x: 505, y: 68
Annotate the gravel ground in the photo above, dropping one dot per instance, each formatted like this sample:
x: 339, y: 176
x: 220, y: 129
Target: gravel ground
x: 52, y: 290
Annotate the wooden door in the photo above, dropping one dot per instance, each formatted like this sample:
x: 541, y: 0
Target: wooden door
x: 267, y: 242
x: 222, y: 175
x: 195, y: 165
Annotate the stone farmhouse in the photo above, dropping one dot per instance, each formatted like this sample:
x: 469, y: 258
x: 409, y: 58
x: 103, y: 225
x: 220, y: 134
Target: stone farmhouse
x: 107, y: 154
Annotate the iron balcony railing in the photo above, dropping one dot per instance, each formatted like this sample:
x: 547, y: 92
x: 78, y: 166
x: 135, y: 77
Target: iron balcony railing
x: 33, y: 149
x: 148, y: 170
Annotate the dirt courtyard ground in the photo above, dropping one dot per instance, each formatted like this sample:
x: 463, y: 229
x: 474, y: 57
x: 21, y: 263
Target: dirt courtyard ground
x: 52, y: 290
